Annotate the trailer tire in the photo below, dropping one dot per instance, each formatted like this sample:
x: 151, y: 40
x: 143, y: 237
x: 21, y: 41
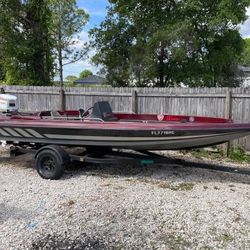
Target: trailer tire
x: 49, y: 164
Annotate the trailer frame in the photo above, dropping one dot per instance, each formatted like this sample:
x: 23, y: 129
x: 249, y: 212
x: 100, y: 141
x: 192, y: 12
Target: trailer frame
x: 51, y: 160
x: 61, y: 158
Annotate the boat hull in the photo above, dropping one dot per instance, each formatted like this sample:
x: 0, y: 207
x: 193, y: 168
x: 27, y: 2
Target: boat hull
x: 165, y: 138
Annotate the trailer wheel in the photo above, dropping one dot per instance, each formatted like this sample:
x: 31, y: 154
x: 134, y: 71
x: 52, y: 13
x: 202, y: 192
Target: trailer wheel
x: 49, y: 165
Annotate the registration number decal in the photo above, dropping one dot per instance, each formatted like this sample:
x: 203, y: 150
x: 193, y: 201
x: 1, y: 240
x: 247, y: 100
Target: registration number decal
x: 162, y: 132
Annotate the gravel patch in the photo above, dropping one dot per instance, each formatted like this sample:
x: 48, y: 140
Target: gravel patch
x: 123, y: 207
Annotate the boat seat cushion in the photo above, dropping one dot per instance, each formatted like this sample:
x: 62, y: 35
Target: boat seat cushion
x: 55, y: 115
x: 102, y: 110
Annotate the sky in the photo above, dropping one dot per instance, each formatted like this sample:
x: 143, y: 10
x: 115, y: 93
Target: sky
x: 97, y: 11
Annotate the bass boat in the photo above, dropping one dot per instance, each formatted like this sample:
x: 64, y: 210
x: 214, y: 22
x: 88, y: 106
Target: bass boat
x: 100, y: 127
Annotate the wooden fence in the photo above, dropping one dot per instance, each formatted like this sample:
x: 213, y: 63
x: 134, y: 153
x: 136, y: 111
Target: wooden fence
x: 219, y: 102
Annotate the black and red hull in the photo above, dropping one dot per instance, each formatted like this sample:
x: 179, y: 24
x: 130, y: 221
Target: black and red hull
x: 128, y: 132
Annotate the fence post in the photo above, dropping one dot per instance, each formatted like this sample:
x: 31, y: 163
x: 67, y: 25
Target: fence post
x: 62, y: 100
x: 228, y: 114
x: 134, y: 105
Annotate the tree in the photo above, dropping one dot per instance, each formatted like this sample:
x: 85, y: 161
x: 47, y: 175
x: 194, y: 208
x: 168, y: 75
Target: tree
x: 1, y: 73
x: 67, y: 21
x: 246, y: 53
x: 25, y: 42
x: 167, y: 43
x: 70, y: 80
x: 85, y: 73
x: 1, y: 67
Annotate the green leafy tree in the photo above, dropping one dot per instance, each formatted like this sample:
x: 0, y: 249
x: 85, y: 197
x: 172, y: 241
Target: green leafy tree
x: 25, y: 42
x: 67, y: 21
x: 246, y: 53
x: 85, y: 73
x: 166, y: 43
x: 70, y: 80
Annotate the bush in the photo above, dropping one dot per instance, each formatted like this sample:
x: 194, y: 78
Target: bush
x: 238, y: 154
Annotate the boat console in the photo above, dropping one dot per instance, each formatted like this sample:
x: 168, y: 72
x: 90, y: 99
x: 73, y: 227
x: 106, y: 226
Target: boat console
x: 103, y: 111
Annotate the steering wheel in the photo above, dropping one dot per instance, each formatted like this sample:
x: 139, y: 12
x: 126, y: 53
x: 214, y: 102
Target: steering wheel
x: 87, y: 113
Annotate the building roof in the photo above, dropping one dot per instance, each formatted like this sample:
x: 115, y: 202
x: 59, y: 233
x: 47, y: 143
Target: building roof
x: 244, y: 68
x: 92, y: 79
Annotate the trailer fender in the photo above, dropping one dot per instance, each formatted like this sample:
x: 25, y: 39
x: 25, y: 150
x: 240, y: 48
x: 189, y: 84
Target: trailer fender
x: 62, y: 154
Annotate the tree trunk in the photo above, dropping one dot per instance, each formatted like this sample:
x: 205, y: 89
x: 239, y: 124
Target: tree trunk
x: 62, y: 98
x: 61, y: 95
x: 161, y: 74
x: 60, y: 60
x: 161, y: 66
x: 60, y: 67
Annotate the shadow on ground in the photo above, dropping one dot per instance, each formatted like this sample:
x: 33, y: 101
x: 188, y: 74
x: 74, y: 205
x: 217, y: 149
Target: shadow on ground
x: 55, y: 242
x: 178, y: 169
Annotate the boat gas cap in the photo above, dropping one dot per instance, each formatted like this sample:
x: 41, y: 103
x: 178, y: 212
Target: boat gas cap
x: 191, y: 119
x: 160, y: 117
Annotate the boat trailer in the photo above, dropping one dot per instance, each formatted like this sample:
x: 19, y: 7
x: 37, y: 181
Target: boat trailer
x: 51, y: 160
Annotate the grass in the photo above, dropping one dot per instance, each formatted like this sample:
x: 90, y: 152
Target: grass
x: 202, y: 153
x: 175, y: 241
x: 226, y: 237
x: 184, y: 186
x: 177, y: 187
x: 237, y: 155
